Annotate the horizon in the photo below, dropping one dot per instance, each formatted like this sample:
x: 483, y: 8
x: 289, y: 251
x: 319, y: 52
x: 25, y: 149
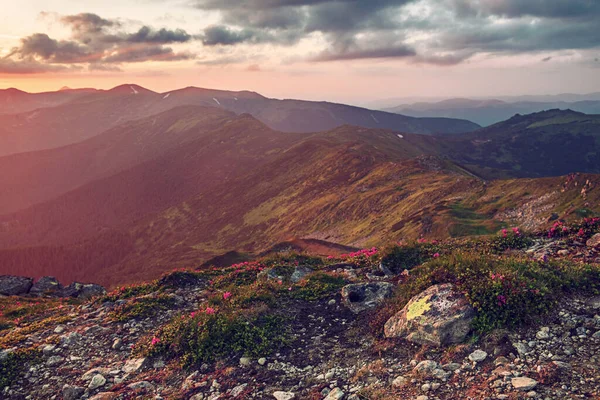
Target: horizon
x: 343, y: 51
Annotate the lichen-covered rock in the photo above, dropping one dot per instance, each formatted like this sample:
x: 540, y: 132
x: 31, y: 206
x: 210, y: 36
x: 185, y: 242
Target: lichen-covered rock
x: 438, y: 316
x: 363, y: 296
x: 14, y: 285
x: 46, y: 286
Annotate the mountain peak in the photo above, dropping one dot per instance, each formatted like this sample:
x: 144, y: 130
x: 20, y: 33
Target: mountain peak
x: 130, y: 89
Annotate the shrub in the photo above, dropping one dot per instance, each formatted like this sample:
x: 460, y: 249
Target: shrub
x: 397, y: 258
x: 317, y: 286
x: 510, y: 239
x: 142, y: 307
x: 504, y: 291
x: 210, y: 335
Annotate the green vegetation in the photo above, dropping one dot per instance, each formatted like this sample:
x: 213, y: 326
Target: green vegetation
x: 205, y: 337
x: 317, y: 286
x: 143, y: 307
x: 505, y: 291
x: 15, y: 363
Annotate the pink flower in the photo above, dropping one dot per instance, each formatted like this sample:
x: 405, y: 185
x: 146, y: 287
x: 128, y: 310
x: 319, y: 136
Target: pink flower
x: 209, y: 310
x: 501, y: 300
x: 290, y: 288
x: 436, y: 255
x: 226, y: 295
x: 581, y: 232
x: 155, y: 341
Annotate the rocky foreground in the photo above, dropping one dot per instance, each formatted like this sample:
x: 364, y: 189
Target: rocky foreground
x: 125, y: 345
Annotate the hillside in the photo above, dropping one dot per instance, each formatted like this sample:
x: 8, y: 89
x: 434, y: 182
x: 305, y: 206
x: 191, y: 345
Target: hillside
x: 91, y: 113
x: 351, y: 185
x: 547, y: 143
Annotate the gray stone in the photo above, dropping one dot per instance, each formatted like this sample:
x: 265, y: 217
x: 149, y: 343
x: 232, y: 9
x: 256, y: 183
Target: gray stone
x: 360, y: 297
x: 14, y: 285
x: 478, y: 356
x: 141, y: 386
x: 425, y: 367
x: 96, y: 382
x: 236, y: 391
x: 54, y: 360
x: 245, y: 361
x: 399, y: 382
x: 300, y: 273
x: 262, y: 361
x: 72, y: 392
x: 46, y: 286
x: 523, y: 383
x: 279, y: 395
x: 135, y: 365
x: 335, y: 394
x: 438, y: 316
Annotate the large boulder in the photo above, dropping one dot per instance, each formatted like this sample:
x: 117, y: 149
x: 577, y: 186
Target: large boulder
x: 46, y: 286
x: 363, y: 296
x: 83, y: 290
x: 438, y: 316
x: 14, y: 285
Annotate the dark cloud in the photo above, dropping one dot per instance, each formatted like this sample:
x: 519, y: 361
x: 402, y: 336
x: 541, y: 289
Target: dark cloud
x: 98, y: 42
x: 164, y: 36
x: 223, y: 35
x: 450, y: 31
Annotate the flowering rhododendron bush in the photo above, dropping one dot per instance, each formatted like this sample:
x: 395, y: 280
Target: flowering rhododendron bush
x: 505, y: 291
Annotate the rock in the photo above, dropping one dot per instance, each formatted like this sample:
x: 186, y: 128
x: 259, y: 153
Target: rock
x: 90, y: 290
x: 399, y: 382
x: 335, y: 394
x: 363, y: 296
x: 144, y: 386
x: 245, y: 361
x: 70, y: 339
x: 439, y: 373
x: 5, y: 353
x: 562, y: 365
x: 478, y: 356
x: 284, y: 395
x: 563, y: 252
x: 104, y: 396
x: 72, y: 392
x: 438, y: 316
x: 300, y: 273
x: 14, y: 285
x: 543, y: 334
x: 594, y: 241
x: 521, y: 348
x: 523, y: 383
x: 594, y: 302
x: 46, y: 286
x: 422, y: 398
x: 54, y: 360
x: 262, y: 361
x: 134, y: 365
x: 425, y: 367
x: 95, y: 371
x: 97, y: 381
x: 117, y: 344
x: 426, y: 387
x: 48, y: 349
x: 236, y: 391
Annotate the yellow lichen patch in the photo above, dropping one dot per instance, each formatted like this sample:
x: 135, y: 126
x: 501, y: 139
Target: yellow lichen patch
x: 418, y: 308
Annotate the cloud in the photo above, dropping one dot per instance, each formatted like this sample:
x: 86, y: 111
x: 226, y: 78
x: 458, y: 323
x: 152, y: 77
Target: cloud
x: 439, y: 32
x: 102, y: 44
x: 26, y: 67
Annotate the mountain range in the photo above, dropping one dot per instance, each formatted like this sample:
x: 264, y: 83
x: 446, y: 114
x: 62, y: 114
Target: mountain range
x: 119, y: 186
x: 489, y: 111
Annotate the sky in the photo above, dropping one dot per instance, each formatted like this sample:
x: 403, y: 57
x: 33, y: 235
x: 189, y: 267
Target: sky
x: 352, y: 51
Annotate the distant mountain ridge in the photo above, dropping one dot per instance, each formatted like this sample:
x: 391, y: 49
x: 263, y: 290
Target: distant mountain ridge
x: 489, y: 111
x: 31, y: 122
